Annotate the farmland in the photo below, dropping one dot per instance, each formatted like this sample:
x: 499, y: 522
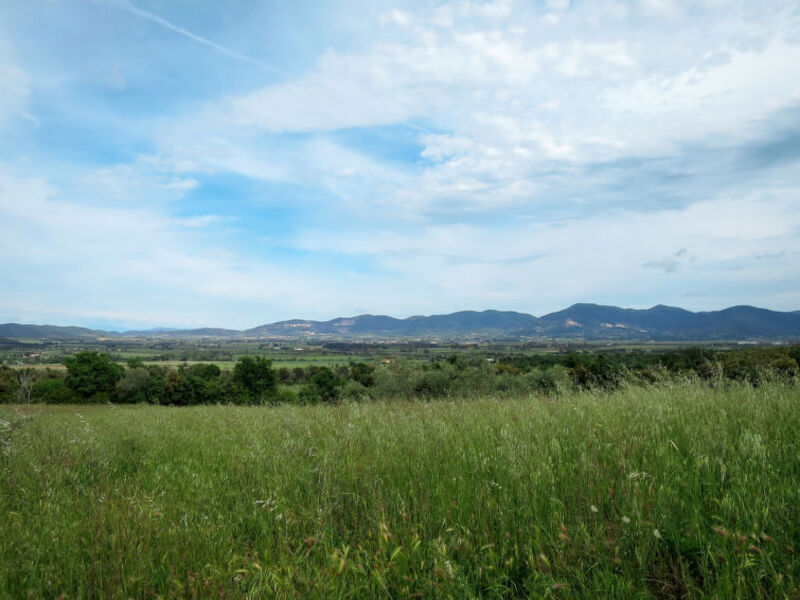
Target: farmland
x: 679, y: 489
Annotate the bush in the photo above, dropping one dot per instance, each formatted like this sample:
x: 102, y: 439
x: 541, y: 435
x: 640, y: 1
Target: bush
x: 326, y: 385
x: 354, y: 391
x: 753, y: 365
x: 52, y: 391
x: 221, y: 390
x: 433, y: 383
x: 8, y: 384
x: 256, y: 377
x: 286, y: 396
x: 134, y: 385
x: 362, y: 373
x: 135, y: 363
x: 154, y: 389
x: 184, y: 389
x: 309, y: 395
x: 285, y: 376
x: 205, y: 371
x: 90, y: 373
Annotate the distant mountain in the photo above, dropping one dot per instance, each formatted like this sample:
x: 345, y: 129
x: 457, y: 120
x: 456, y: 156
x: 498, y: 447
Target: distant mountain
x: 599, y: 322
x: 165, y: 332
x: 579, y: 321
x: 747, y: 321
x: 55, y: 332
x: 593, y: 321
x: 461, y: 324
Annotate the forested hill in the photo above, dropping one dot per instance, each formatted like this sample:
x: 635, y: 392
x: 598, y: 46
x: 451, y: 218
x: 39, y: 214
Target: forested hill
x: 580, y: 321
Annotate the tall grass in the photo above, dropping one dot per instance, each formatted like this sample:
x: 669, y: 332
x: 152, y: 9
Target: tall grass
x: 662, y: 492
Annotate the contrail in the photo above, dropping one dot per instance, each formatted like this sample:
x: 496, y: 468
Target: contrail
x: 130, y: 7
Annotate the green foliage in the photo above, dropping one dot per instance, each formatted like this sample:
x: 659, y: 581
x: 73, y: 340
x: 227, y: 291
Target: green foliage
x: 753, y: 365
x: 455, y: 376
x: 91, y: 373
x: 221, y: 390
x: 285, y: 376
x: 308, y: 395
x: 285, y: 396
x: 154, y: 390
x: 326, y: 385
x: 256, y: 377
x: 205, y: 371
x: 595, y: 370
x: 8, y: 384
x: 52, y: 391
x: 133, y: 387
x: 184, y: 389
x: 300, y: 375
x: 354, y: 391
x: 134, y: 363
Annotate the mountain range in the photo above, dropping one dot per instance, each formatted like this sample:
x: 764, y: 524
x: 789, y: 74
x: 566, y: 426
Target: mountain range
x: 579, y: 321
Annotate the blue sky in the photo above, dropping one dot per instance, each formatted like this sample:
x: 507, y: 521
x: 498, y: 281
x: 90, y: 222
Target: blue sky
x: 186, y: 163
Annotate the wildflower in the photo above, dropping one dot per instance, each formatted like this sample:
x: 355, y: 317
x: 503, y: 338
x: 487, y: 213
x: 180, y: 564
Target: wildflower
x: 593, y: 508
x: 626, y: 520
x: 657, y: 533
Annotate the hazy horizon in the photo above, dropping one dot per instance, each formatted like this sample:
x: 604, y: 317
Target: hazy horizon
x: 166, y: 164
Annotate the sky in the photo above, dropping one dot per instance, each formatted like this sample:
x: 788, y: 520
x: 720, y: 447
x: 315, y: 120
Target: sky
x: 193, y: 163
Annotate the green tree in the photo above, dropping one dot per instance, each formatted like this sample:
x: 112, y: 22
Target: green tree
x: 362, y: 373
x: 133, y: 385
x: 205, y: 371
x: 326, y: 385
x: 52, y: 391
x: 91, y: 373
x: 135, y: 363
x: 299, y: 375
x: 8, y: 384
x: 285, y: 376
x: 256, y: 377
x: 184, y: 389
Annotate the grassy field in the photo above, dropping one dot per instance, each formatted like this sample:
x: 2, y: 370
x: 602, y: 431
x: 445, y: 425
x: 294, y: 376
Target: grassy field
x: 662, y: 492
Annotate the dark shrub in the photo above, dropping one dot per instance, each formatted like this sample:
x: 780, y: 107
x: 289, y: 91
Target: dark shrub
x: 91, y: 373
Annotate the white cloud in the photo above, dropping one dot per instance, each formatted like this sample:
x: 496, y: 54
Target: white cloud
x: 14, y: 90
x: 725, y: 100
x: 529, y: 118
x: 128, y: 258
x: 590, y: 259
x: 135, y: 181
x: 558, y: 4
x: 504, y: 94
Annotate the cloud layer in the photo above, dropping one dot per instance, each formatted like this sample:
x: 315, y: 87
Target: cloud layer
x: 190, y: 169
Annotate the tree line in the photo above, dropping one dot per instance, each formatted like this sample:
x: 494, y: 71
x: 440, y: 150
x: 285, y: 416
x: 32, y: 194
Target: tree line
x: 93, y: 377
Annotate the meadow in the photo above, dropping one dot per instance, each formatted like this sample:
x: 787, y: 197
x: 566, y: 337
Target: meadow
x: 682, y: 489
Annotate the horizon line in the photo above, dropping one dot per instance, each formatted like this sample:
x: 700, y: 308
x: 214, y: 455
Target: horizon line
x: 167, y: 329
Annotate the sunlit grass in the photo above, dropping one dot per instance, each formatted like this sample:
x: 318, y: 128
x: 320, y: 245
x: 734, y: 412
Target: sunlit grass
x: 678, y: 491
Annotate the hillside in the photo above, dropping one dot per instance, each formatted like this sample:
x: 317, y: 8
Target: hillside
x: 579, y: 321
x: 55, y: 332
x: 465, y: 323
